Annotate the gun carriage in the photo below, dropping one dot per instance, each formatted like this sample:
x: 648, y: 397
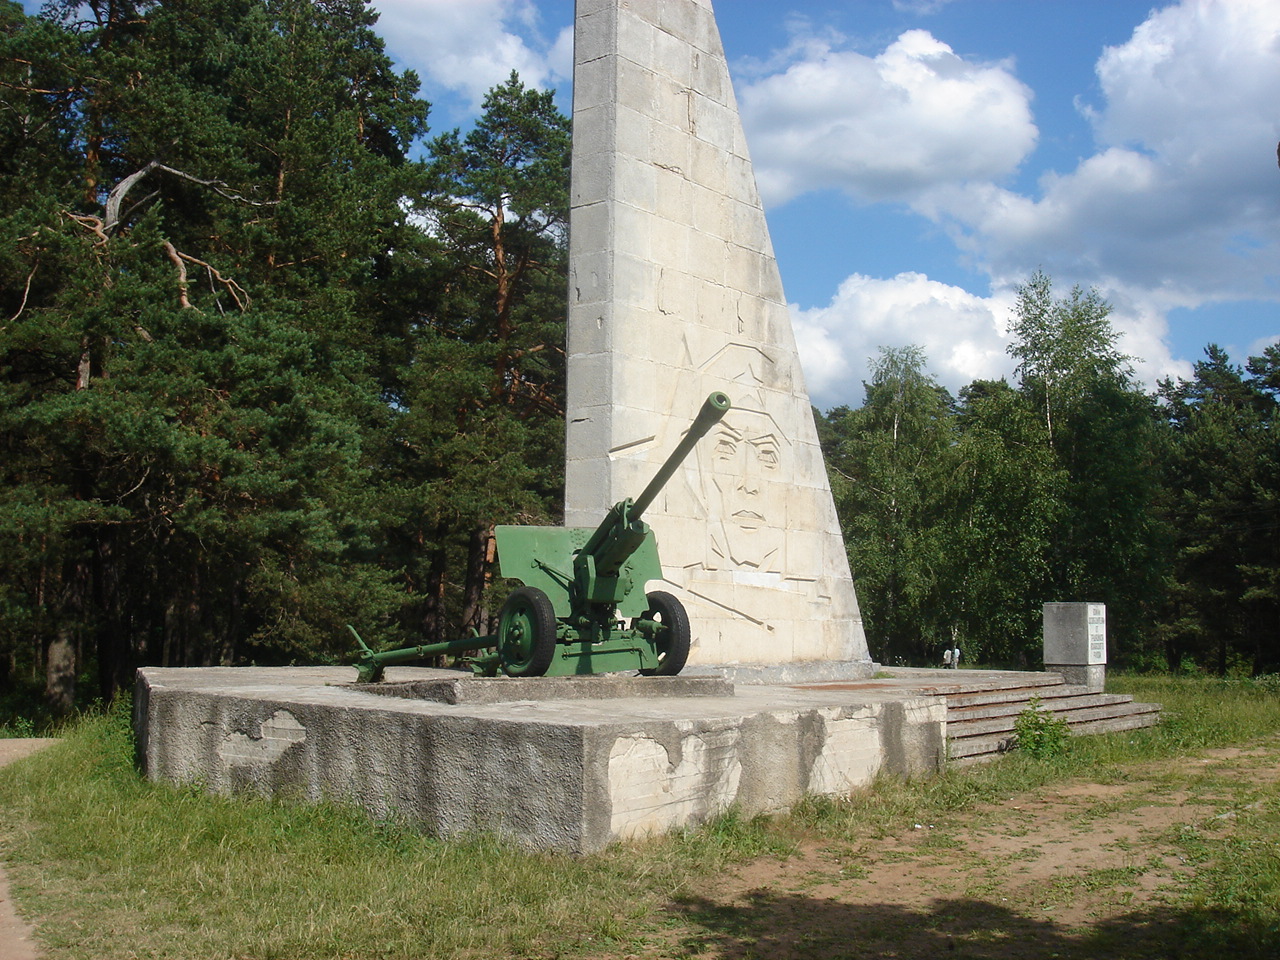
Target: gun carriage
x: 582, y: 607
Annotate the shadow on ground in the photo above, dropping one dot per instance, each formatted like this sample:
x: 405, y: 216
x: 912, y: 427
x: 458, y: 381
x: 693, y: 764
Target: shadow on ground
x: 782, y: 926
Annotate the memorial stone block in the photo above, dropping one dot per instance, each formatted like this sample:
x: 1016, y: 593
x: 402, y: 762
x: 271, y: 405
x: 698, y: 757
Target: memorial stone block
x: 675, y: 292
x: 1075, y: 642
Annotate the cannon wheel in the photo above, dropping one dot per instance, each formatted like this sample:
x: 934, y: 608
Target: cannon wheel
x: 673, y: 642
x: 527, y: 633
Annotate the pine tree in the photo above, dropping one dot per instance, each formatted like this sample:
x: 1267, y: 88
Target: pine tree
x: 1222, y: 501
x: 192, y: 370
x: 478, y: 432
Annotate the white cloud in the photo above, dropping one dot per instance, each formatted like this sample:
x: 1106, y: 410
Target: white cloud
x: 1143, y: 328
x: 1178, y: 205
x: 963, y: 336
x: 1181, y: 199
x: 1197, y: 67
x: 885, y: 127
x: 1258, y: 346
x: 560, y: 58
x: 468, y: 47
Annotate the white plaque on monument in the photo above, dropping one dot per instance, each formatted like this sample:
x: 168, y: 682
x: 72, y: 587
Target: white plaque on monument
x: 1097, y: 633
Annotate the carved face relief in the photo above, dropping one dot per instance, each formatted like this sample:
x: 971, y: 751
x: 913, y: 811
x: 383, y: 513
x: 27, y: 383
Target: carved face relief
x: 741, y: 466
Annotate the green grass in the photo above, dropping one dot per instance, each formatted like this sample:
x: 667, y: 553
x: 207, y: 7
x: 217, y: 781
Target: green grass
x: 1198, y: 715
x: 131, y: 868
x: 17, y: 727
x: 116, y: 866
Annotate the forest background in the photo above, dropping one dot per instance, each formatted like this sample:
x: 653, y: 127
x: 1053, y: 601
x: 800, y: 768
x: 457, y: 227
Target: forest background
x: 274, y: 359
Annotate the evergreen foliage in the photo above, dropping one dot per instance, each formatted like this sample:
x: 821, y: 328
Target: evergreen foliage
x: 241, y: 394
x: 1222, y: 499
x: 478, y: 386
x: 268, y: 365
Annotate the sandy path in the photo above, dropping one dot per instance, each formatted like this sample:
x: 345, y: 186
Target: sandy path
x: 16, y: 940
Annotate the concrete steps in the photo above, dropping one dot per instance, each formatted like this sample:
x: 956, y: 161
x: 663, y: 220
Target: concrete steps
x: 981, y: 712
x: 980, y: 726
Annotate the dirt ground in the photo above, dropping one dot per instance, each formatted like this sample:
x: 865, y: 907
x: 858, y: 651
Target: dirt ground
x: 1088, y: 870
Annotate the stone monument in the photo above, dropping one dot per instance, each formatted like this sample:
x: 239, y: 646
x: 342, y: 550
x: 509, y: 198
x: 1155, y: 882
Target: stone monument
x: 1075, y: 643
x: 675, y: 292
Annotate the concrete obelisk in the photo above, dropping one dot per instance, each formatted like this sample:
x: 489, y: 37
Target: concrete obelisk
x: 675, y: 292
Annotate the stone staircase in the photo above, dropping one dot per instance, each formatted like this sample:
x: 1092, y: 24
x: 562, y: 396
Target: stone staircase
x: 983, y: 705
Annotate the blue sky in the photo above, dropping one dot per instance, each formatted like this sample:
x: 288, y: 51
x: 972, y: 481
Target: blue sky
x: 920, y: 158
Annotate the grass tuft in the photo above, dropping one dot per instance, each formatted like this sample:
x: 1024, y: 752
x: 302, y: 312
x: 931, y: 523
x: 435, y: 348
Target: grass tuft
x: 1040, y: 733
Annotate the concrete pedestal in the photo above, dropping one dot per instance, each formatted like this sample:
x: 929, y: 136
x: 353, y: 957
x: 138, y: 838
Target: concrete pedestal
x: 573, y: 769
x: 1091, y: 675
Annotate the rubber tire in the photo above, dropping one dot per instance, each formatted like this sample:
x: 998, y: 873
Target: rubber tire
x: 531, y: 609
x: 673, y: 646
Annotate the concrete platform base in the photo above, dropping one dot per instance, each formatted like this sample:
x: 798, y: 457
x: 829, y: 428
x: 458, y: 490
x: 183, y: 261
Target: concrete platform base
x: 571, y: 764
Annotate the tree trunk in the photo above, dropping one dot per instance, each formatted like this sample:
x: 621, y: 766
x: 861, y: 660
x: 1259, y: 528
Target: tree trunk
x: 109, y: 633
x: 60, y: 670
x: 434, y: 621
x: 232, y: 629
x: 502, y: 306
x: 61, y: 655
x: 480, y: 552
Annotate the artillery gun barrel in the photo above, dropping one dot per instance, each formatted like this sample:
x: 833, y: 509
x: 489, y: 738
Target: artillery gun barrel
x: 621, y: 531
x: 713, y: 410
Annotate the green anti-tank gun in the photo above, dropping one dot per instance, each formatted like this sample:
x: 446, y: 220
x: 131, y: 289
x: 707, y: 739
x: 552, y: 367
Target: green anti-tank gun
x: 583, y: 608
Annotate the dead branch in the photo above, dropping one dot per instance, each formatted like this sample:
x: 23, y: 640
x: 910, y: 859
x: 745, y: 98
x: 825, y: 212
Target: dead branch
x: 176, y: 258
x: 237, y: 292
x: 147, y: 199
x: 295, y: 263
x: 118, y: 193
x: 145, y: 473
x: 22, y: 88
x: 26, y: 291
x: 84, y: 368
x: 116, y: 197
x: 92, y: 223
x: 219, y: 187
